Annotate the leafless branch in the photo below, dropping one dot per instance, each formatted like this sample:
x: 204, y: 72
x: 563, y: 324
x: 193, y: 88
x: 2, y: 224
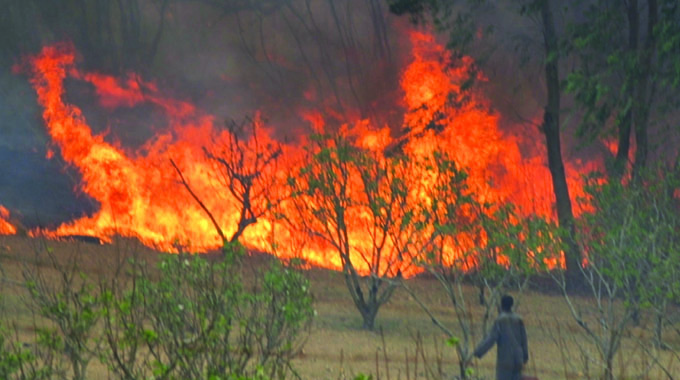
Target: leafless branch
x: 200, y: 203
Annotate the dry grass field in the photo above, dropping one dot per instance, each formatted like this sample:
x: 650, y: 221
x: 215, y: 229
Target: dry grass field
x: 406, y: 343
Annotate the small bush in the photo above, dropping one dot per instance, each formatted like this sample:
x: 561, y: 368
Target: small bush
x: 197, y: 320
x: 187, y: 318
x: 69, y: 303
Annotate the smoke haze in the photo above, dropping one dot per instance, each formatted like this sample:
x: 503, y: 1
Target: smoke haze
x: 281, y: 58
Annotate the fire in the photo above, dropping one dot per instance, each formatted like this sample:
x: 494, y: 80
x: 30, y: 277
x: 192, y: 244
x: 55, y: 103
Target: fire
x: 465, y: 128
x: 138, y: 191
x: 6, y: 228
x: 141, y: 196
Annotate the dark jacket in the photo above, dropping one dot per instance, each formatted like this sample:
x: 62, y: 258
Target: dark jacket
x: 509, y: 335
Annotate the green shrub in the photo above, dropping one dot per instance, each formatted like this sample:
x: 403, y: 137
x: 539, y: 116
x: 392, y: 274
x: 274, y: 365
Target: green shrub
x: 196, y: 319
x: 70, y: 304
x: 20, y: 363
x: 187, y: 318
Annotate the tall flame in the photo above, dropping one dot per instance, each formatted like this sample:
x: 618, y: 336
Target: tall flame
x: 140, y: 195
x: 444, y: 117
x: 138, y: 192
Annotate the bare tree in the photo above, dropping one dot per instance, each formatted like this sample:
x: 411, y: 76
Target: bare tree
x: 246, y: 166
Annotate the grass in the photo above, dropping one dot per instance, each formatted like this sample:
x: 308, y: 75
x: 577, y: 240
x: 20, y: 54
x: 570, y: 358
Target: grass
x: 404, y: 344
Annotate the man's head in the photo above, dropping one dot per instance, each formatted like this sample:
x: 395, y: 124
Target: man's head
x: 506, y: 303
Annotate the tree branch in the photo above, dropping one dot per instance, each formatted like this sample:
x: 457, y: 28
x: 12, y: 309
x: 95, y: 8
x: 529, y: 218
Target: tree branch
x: 200, y: 203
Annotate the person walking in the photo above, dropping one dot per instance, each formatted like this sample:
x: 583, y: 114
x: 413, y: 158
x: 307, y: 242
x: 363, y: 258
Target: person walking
x: 510, y: 337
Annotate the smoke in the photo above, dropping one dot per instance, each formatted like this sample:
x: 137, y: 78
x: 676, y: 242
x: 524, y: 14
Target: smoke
x: 281, y: 58
x: 509, y: 48
x: 342, y: 57
x: 39, y: 192
x: 339, y: 57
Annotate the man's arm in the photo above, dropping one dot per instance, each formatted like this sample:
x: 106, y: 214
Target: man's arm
x: 524, y: 343
x: 488, y: 342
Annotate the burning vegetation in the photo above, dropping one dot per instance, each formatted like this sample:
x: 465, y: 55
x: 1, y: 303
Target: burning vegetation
x: 197, y: 184
x: 335, y: 135
x: 6, y: 228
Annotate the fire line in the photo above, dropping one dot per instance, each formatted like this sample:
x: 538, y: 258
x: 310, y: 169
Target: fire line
x: 140, y: 196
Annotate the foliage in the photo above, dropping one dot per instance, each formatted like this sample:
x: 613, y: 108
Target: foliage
x: 72, y: 306
x: 18, y: 362
x: 631, y: 234
x: 10, y: 362
x: 632, y: 257
x: 198, y: 320
x: 362, y: 376
x: 187, y: 318
x: 468, y: 241
x: 342, y: 185
x: 628, y: 73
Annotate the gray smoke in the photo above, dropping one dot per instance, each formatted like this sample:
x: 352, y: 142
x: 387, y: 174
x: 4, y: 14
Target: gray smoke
x: 341, y: 57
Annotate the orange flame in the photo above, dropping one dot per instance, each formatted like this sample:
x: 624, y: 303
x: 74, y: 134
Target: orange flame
x: 138, y: 192
x: 6, y: 228
x: 140, y: 195
x: 498, y: 169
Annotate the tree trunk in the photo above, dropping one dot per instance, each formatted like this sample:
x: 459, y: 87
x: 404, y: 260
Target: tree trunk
x: 609, y: 366
x: 551, y: 128
x: 352, y: 280
x: 368, y: 314
x: 623, y: 147
x: 462, y: 368
x: 643, y: 100
x: 658, y: 329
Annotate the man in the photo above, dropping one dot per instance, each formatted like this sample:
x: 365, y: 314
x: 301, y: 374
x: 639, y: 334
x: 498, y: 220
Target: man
x: 509, y: 335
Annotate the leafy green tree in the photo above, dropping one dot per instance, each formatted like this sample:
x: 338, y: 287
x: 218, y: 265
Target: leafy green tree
x: 345, y: 192
x: 632, y: 258
x: 628, y: 72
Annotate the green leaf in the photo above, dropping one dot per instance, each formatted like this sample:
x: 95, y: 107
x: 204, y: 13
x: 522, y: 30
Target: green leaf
x: 453, y: 341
